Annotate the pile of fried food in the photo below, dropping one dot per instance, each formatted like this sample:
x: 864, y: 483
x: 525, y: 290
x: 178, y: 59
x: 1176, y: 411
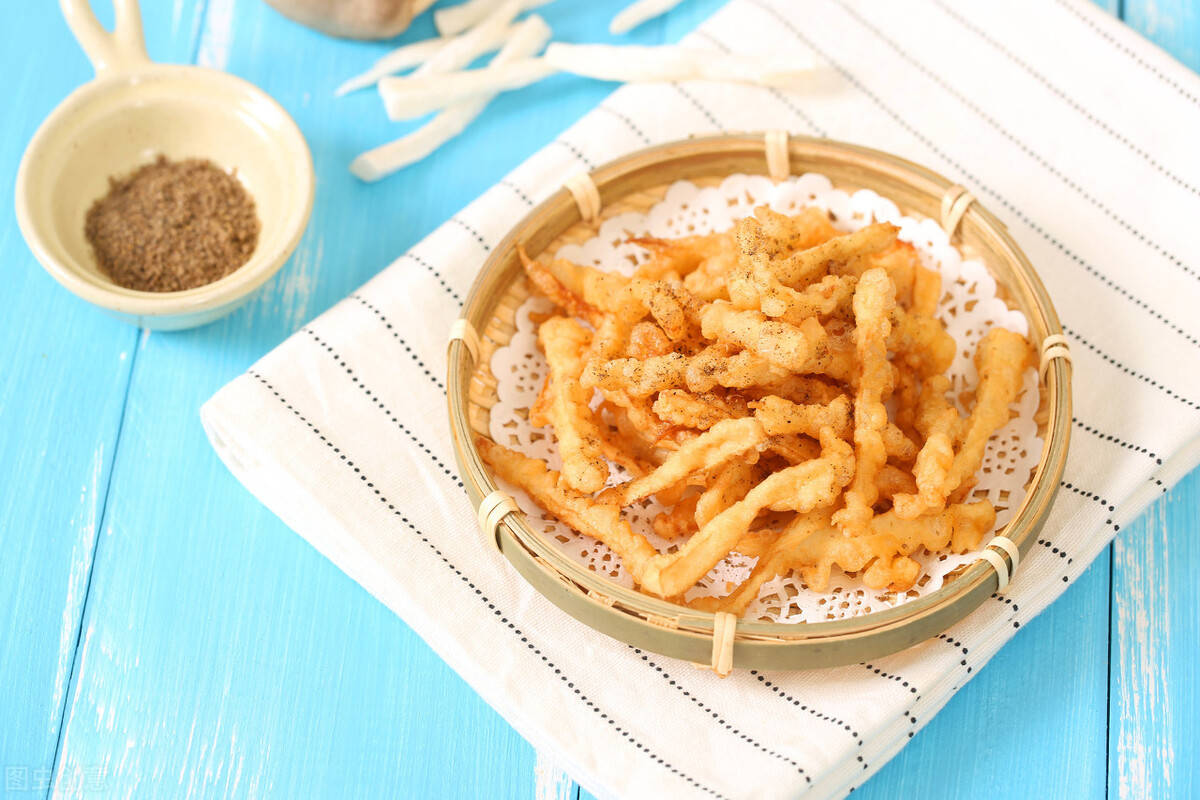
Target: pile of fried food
x: 781, y: 388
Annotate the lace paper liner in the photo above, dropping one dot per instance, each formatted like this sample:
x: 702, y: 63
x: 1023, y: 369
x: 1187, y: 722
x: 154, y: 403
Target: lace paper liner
x: 969, y: 307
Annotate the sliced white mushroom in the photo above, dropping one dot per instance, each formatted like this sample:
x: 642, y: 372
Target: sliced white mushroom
x: 416, y: 95
x: 529, y: 37
x: 456, y: 19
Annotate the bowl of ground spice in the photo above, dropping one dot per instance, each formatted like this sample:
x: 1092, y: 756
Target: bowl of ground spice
x: 164, y: 194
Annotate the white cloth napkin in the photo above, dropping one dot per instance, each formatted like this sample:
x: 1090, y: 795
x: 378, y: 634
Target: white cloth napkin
x: 1078, y: 134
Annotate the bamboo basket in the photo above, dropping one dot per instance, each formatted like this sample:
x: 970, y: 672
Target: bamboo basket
x: 634, y: 183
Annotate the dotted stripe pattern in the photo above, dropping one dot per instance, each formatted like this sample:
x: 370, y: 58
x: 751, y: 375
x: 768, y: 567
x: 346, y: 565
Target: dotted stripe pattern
x: 950, y: 640
x: 807, y: 708
x: 691, y: 98
x: 362, y: 387
x: 1003, y: 201
x: 432, y: 270
x: 628, y: 122
x: 1064, y: 97
x: 1131, y: 372
x: 1108, y: 437
x: 387, y: 412
x: 720, y: 720
x: 1022, y: 146
x: 387, y: 324
x: 1008, y: 601
x: 1067, y: 5
x: 897, y: 678
x: 476, y: 235
x: 483, y: 599
x: 1049, y: 545
x: 774, y: 92
x: 575, y: 151
x: 1095, y: 498
x: 518, y: 191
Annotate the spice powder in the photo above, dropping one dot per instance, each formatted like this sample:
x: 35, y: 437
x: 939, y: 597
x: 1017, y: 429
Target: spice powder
x: 172, y: 225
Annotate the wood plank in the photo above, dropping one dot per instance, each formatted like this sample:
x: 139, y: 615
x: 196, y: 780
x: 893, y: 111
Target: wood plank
x: 62, y: 391
x: 1040, y: 703
x: 1155, y: 628
x: 219, y: 652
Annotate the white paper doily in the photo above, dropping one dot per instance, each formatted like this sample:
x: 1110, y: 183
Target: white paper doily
x: 969, y: 307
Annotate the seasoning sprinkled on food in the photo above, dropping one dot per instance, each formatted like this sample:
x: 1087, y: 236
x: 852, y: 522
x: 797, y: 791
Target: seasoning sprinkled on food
x: 172, y: 225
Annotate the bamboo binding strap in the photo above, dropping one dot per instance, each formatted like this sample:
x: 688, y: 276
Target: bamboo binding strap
x: 779, y: 164
x: 724, y: 627
x: 1004, y: 572
x: 955, y: 203
x: 1053, y: 346
x: 587, y: 196
x: 464, y: 331
x: 492, y: 510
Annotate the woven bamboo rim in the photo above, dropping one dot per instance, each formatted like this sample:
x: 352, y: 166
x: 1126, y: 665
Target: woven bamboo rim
x: 634, y: 183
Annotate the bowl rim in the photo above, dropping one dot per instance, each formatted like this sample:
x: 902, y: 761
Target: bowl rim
x: 682, y: 632
x: 244, y: 280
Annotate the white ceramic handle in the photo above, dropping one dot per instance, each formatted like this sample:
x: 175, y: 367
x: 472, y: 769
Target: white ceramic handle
x: 123, y: 49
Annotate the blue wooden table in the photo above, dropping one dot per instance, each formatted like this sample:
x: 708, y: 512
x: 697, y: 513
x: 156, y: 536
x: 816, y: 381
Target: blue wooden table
x: 162, y: 634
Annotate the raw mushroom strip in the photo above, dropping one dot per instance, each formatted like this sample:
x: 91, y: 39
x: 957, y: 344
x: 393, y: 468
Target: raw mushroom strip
x: 638, y: 12
x: 422, y: 93
x: 530, y: 36
x: 456, y: 19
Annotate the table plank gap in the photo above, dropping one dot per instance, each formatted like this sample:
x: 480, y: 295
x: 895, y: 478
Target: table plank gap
x: 103, y: 500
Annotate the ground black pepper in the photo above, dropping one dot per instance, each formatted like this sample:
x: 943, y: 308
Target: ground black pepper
x: 172, y: 225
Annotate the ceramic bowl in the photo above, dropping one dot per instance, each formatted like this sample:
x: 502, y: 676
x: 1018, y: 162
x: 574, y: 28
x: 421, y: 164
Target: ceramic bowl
x: 130, y: 113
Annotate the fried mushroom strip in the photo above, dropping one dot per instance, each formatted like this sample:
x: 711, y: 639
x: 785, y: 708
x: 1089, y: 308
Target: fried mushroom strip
x: 941, y: 473
x: 921, y: 343
x: 882, y: 553
x: 601, y: 521
x: 779, y: 416
x: 726, y: 488
x: 789, y: 347
x: 564, y: 342
x: 632, y: 298
x: 804, y: 487
x: 678, y: 257
x: 831, y: 295
x: 716, y: 446
x: 1000, y: 361
x: 938, y: 420
x: 637, y: 377
x: 807, y: 265
x: 873, y: 302
x: 545, y: 282
x: 700, y: 411
x: 679, y: 521
x: 722, y: 365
